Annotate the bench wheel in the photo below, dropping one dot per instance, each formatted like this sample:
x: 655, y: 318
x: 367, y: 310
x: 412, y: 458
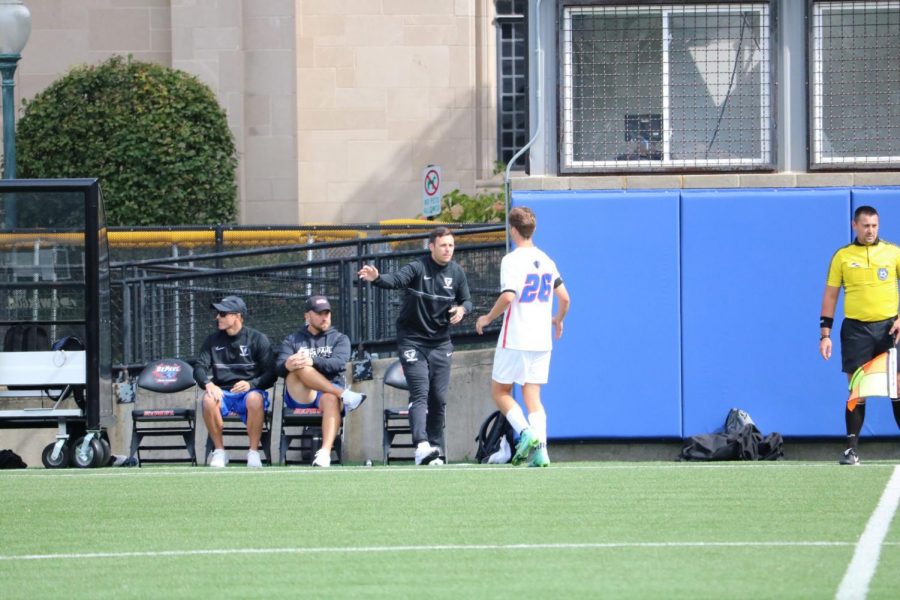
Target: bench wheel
x: 61, y: 462
x: 92, y: 457
x: 107, y: 453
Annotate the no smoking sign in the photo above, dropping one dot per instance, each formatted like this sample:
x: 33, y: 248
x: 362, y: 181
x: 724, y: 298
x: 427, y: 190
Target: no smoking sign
x: 431, y: 191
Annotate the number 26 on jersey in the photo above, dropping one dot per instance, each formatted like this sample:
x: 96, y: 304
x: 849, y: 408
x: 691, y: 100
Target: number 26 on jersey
x: 537, y: 287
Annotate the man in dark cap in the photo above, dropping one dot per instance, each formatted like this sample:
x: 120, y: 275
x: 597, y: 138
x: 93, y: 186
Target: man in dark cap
x: 235, y: 368
x: 312, y: 362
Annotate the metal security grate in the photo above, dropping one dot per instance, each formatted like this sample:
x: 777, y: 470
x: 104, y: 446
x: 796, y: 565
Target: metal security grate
x: 663, y: 87
x: 855, y: 84
x: 512, y: 68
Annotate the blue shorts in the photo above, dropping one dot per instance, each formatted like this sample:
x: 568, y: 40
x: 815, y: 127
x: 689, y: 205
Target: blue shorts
x: 236, y: 403
x: 291, y: 403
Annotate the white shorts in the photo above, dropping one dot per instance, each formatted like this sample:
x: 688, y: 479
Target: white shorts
x: 521, y: 366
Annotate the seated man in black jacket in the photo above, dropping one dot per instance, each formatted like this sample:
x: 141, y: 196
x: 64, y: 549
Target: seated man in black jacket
x: 312, y: 362
x: 235, y: 368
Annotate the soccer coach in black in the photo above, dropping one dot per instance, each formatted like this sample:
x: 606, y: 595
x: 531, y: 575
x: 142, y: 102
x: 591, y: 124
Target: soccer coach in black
x: 437, y: 296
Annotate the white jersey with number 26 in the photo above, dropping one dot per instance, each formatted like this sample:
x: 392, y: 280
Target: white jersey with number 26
x: 527, y: 323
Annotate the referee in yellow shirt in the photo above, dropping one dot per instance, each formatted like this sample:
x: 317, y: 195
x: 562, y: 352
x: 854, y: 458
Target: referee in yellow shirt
x: 868, y: 269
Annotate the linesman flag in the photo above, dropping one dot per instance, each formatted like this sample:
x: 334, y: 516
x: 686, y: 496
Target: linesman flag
x: 878, y: 377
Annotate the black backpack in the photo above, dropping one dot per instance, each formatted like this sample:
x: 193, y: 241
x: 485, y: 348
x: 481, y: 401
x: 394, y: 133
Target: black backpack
x: 489, y: 437
x: 25, y: 338
x: 11, y: 460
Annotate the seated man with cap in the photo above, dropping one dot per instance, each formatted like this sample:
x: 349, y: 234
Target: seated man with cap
x: 312, y: 362
x: 235, y: 367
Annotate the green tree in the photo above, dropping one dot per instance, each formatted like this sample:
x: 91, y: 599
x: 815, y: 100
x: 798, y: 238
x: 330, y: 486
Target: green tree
x: 155, y: 137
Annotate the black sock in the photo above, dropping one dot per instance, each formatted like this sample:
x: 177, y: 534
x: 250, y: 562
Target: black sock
x: 854, y: 419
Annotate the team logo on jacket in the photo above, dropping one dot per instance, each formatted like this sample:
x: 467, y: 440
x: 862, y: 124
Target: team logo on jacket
x: 882, y: 274
x: 448, y: 282
x: 245, y: 351
x: 410, y: 356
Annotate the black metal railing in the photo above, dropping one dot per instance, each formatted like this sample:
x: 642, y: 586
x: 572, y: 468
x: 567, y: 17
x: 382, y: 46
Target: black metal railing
x: 161, y: 305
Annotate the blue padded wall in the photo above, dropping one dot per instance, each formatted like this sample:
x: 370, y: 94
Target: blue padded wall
x: 879, y: 416
x: 753, y: 271
x: 616, y: 371
x: 688, y: 303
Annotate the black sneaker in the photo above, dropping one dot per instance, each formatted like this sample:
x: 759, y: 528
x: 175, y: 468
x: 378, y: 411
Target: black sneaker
x: 849, y: 457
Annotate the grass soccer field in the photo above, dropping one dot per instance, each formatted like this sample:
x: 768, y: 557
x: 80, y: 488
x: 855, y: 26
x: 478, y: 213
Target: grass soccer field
x: 588, y: 530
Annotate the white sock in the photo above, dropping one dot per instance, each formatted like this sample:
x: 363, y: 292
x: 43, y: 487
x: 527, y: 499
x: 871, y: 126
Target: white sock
x: 538, y: 420
x: 517, y: 419
x: 424, y: 446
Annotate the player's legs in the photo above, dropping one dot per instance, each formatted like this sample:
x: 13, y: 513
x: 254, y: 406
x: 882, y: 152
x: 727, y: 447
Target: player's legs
x: 531, y: 394
x: 212, y: 416
x: 506, y: 372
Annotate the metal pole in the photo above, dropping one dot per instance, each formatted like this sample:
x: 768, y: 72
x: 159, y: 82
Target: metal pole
x: 8, y: 71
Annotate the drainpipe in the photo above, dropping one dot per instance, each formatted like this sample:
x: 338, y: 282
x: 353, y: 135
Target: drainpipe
x: 539, y: 57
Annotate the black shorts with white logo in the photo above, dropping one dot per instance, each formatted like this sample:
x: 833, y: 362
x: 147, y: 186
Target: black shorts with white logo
x: 862, y: 341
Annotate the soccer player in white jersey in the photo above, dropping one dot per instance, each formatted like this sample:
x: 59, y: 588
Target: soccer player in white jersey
x: 528, y: 281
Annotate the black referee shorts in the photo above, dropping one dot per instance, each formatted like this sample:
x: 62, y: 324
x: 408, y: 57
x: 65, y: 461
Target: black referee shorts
x: 862, y: 341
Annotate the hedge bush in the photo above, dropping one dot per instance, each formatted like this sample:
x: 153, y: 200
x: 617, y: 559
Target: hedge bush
x: 155, y: 137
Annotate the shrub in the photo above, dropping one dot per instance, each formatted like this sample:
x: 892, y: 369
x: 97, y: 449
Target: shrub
x: 155, y: 138
x: 484, y: 207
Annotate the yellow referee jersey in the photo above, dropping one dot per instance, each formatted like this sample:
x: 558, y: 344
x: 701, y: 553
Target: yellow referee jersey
x: 869, y: 276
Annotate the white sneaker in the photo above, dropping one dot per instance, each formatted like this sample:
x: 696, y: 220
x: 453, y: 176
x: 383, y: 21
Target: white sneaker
x: 253, y: 460
x: 323, y: 458
x: 352, y: 399
x: 436, y: 462
x: 426, y: 453
x: 218, y: 459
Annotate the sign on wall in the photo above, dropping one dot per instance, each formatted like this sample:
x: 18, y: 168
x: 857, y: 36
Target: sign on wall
x: 431, y: 191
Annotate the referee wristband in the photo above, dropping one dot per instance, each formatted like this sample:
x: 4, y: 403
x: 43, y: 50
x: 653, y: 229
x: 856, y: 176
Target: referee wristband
x: 826, y: 322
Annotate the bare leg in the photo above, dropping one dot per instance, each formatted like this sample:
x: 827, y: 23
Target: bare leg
x: 331, y: 419
x: 213, y: 419
x: 311, y: 380
x: 502, y: 394
x: 531, y: 393
x: 254, y: 418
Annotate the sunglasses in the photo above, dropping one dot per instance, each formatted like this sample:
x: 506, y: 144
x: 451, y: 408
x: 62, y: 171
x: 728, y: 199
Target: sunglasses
x: 222, y: 315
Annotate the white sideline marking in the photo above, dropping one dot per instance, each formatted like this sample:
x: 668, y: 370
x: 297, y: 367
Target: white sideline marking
x: 431, y: 548
x: 181, y: 471
x: 868, y: 549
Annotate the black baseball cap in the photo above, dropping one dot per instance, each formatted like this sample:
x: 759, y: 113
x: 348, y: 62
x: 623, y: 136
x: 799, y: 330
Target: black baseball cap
x: 317, y: 304
x: 230, y: 304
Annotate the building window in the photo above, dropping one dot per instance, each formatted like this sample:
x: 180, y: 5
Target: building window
x: 855, y: 85
x: 512, y: 86
x: 664, y: 87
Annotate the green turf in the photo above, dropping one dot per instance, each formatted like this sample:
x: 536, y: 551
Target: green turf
x: 624, y: 530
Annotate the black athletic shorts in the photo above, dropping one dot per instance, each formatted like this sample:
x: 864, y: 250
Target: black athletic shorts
x: 862, y: 341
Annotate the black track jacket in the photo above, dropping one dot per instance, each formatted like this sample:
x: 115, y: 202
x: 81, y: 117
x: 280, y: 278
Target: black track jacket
x: 225, y: 360
x: 431, y: 290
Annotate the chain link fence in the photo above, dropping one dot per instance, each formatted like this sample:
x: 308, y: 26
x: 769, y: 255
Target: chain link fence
x: 161, y: 306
